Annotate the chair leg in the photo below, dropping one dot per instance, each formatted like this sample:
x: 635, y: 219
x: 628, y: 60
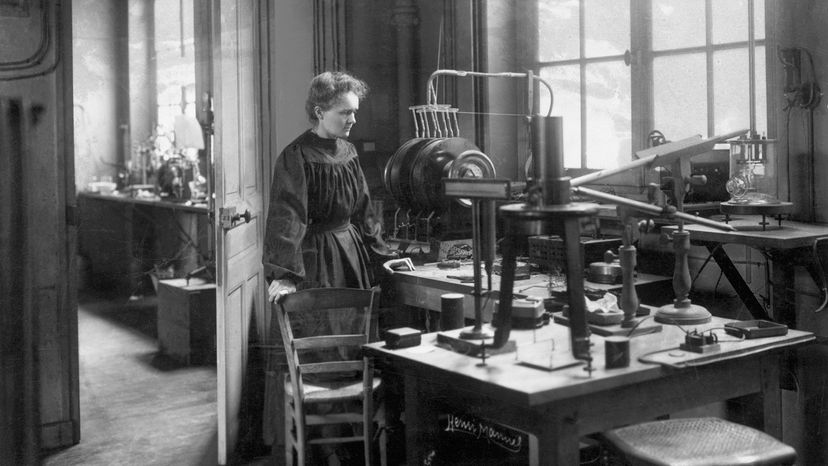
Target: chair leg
x: 383, y: 445
x: 288, y: 433
x: 367, y: 428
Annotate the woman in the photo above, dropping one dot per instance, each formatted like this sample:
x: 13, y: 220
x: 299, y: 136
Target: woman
x: 321, y: 228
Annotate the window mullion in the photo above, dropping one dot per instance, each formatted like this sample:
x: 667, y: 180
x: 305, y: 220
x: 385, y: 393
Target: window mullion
x: 708, y: 42
x: 641, y: 72
x: 583, y: 88
x: 751, y: 66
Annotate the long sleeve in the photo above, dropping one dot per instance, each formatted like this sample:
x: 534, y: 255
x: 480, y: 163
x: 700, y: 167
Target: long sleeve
x: 369, y: 224
x: 287, y: 217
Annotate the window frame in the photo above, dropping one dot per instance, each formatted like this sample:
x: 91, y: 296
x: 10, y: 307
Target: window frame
x: 640, y: 58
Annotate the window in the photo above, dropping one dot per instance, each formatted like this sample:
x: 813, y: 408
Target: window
x: 175, y: 60
x: 622, y: 69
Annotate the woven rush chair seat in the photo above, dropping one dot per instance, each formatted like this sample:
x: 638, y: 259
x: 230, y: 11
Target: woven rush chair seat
x: 697, y: 441
x: 332, y: 391
x: 329, y: 388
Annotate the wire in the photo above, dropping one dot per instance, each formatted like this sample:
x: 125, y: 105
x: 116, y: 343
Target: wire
x: 788, y: 151
x: 630, y: 333
x: 821, y: 273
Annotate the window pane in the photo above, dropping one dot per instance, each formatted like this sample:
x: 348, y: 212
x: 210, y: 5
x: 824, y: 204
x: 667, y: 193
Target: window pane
x: 566, y: 83
x: 174, y: 58
x: 730, y: 21
x: 607, y: 27
x: 680, y: 96
x: 761, y: 93
x: 558, y: 26
x: 678, y: 24
x: 759, y: 19
x: 167, y: 25
x: 608, y: 131
x: 731, y: 93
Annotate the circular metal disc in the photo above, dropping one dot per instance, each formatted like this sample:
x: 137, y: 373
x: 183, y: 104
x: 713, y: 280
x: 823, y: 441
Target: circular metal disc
x: 748, y: 208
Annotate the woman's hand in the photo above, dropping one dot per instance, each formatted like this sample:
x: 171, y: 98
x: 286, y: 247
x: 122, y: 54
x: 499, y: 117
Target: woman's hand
x: 398, y: 264
x: 278, y: 288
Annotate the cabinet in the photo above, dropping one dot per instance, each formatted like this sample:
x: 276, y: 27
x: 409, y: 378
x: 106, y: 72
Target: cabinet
x: 187, y: 320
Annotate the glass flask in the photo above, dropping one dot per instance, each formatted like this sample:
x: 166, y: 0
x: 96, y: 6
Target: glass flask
x: 752, y: 170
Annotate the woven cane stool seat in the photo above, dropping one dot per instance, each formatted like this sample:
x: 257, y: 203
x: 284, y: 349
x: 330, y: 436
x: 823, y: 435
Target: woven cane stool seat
x: 698, y: 441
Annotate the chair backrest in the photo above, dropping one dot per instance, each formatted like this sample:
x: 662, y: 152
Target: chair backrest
x: 323, y: 329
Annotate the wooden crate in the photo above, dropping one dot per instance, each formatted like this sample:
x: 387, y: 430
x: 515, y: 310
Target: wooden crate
x: 187, y: 320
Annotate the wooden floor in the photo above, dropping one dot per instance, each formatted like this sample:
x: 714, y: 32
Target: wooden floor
x: 137, y: 406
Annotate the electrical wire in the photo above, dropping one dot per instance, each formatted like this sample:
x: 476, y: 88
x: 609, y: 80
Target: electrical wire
x: 821, y: 272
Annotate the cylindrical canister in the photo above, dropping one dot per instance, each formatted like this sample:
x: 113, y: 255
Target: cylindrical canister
x: 451, y: 311
x: 617, y: 352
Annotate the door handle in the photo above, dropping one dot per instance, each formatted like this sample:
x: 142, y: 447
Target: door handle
x: 228, y: 218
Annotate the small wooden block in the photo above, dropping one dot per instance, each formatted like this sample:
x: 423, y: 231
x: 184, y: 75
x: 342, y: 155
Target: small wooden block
x: 403, y: 337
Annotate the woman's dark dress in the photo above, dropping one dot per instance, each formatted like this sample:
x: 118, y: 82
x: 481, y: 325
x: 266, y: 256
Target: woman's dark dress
x: 320, y: 221
x: 320, y: 224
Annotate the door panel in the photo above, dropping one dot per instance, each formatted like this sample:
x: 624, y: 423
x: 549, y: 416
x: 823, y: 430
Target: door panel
x: 256, y: 62
x: 238, y: 175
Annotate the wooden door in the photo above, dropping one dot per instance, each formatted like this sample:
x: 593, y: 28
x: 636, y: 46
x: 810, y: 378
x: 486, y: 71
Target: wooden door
x: 255, y: 59
x: 39, y: 407
x: 239, y: 188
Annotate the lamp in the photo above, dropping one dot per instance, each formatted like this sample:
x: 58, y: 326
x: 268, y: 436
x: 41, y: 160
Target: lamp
x: 189, y: 139
x: 188, y: 133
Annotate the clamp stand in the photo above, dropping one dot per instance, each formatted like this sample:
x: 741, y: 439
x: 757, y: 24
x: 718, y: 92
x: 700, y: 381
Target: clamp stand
x: 477, y: 332
x: 682, y: 311
x: 478, y: 190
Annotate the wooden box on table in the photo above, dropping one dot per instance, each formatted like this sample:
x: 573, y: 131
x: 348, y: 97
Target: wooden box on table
x: 187, y: 320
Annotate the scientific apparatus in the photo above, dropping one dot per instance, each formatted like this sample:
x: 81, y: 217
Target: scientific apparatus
x: 413, y: 174
x: 753, y: 181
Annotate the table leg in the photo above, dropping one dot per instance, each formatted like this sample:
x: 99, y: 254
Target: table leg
x: 771, y: 396
x: 783, y: 297
x: 783, y: 300
x: 557, y: 442
x: 735, y: 278
x: 420, y: 423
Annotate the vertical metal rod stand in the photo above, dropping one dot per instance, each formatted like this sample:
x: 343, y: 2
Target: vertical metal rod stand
x: 476, y: 332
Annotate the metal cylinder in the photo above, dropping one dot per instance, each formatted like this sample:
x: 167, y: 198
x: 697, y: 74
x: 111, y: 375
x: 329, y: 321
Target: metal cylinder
x: 413, y: 175
x: 548, y: 158
x: 616, y: 352
x: 451, y: 311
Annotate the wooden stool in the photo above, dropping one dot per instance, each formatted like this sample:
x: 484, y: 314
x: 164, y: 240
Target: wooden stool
x: 697, y: 441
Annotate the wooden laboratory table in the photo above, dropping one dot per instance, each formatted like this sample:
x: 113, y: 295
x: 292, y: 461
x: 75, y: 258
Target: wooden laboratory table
x: 124, y: 238
x: 557, y: 407
x: 424, y: 286
x: 787, y: 247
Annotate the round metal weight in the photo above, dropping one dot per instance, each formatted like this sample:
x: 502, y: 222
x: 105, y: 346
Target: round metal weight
x: 414, y: 174
x: 398, y: 169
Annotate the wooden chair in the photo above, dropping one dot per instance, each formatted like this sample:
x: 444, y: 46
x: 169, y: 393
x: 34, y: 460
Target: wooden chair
x: 697, y: 442
x: 327, y: 370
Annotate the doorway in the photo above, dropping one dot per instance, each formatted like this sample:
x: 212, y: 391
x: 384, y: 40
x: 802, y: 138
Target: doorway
x: 133, y: 78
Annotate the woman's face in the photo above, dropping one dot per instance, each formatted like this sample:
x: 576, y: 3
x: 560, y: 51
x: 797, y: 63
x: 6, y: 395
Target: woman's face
x: 336, y: 122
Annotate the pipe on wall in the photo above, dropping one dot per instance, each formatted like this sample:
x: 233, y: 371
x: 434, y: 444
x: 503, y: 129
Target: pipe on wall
x: 405, y: 17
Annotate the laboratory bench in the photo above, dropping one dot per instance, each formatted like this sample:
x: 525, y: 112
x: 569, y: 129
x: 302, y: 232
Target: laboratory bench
x: 129, y: 243
x: 424, y: 287
x: 536, y: 403
x: 787, y: 244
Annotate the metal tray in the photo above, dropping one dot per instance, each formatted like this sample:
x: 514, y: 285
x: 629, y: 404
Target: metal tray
x: 755, y: 329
